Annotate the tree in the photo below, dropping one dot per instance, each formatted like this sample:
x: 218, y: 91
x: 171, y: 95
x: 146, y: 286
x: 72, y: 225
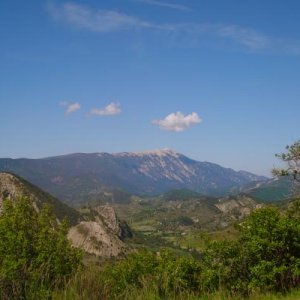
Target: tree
x: 35, y: 254
x: 292, y: 158
x: 272, y: 241
x: 265, y: 257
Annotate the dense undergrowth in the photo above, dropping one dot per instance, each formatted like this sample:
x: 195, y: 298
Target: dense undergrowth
x: 37, y: 262
x: 263, y: 263
x: 35, y: 255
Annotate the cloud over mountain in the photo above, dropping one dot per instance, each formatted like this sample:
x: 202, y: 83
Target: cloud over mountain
x: 178, y: 121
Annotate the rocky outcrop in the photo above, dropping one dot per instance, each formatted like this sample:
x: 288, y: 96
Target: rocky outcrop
x: 100, y: 232
x: 14, y: 187
x: 238, y: 207
x: 102, y: 235
x: 10, y: 188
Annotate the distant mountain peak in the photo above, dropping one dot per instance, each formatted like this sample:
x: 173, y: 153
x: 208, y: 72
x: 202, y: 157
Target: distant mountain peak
x: 155, y: 152
x: 79, y: 177
x: 159, y: 152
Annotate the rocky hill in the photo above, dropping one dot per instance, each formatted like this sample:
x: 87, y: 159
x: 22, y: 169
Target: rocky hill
x: 97, y: 231
x: 101, y: 234
x: 82, y: 177
x: 14, y: 187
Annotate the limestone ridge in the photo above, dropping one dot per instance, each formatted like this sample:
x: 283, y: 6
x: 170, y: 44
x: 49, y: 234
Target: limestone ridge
x: 103, y: 235
x: 82, y: 176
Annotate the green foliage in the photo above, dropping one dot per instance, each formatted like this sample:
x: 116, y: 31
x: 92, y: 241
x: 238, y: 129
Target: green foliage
x: 85, y: 284
x: 265, y: 257
x: 36, y: 258
x: 167, y: 272
x: 272, y: 245
x: 60, y: 209
x: 35, y: 255
x: 292, y: 159
x: 271, y: 191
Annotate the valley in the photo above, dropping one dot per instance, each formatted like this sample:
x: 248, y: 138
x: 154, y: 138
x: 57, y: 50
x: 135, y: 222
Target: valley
x: 183, y: 223
x: 116, y: 231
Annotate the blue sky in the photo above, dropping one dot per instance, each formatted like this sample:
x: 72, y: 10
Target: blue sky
x: 215, y: 80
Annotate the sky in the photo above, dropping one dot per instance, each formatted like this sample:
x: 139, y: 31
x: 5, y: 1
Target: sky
x: 215, y: 80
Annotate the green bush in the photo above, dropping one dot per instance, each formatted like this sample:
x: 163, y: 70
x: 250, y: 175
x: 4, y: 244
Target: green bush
x: 164, y: 270
x: 35, y: 255
x: 266, y: 257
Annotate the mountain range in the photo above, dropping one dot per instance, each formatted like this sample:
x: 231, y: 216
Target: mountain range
x: 80, y: 177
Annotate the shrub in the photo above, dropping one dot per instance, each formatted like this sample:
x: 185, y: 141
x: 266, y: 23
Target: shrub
x: 166, y: 271
x: 35, y: 255
x: 265, y: 257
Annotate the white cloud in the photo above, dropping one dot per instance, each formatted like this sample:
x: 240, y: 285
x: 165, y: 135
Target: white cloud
x: 166, y: 4
x: 109, y: 110
x: 95, y: 20
x: 178, y: 121
x: 71, y: 107
x: 184, y: 34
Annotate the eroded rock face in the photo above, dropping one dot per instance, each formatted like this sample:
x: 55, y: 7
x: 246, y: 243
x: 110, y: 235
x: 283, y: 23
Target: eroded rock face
x: 9, y: 188
x: 108, y: 216
x: 12, y: 188
x: 240, y: 207
x: 95, y: 239
x: 101, y: 236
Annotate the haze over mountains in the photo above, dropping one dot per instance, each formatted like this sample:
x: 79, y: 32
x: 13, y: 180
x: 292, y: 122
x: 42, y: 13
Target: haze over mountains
x: 77, y: 177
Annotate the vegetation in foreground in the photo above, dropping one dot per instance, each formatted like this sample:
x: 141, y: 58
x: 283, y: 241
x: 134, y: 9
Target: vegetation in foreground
x: 37, y: 261
x: 35, y: 254
x: 264, y: 259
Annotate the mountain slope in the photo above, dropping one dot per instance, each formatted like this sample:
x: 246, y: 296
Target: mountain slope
x: 14, y: 187
x: 78, y: 177
x: 102, y: 234
x: 98, y: 232
x: 275, y: 189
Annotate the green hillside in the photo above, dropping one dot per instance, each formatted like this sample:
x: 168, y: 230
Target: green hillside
x: 13, y: 186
